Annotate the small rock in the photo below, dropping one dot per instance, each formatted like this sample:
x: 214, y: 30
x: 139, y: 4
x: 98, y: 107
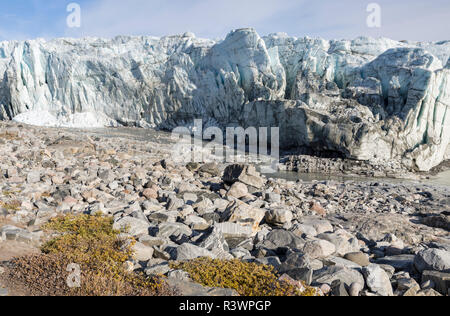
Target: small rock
x: 233, y: 230
x: 321, y: 226
x: 338, y: 289
x: 427, y: 285
x: 34, y: 177
x: 142, y: 252
x: 343, y: 241
x: 173, y: 230
x: 307, y: 230
x: 196, y: 223
x: 318, y: 209
x: 329, y: 274
x: 190, y: 198
x: 440, y: 280
x: 244, y: 215
x: 273, y: 198
x: 400, y: 262
x: 3, y: 292
x: 355, y: 289
x: 128, y: 266
x: 158, y: 269
x: 238, y: 190
x: 428, y: 292
x: 150, y: 194
x: 325, y: 288
x: 272, y: 261
x: 279, y: 217
x: 282, y: 238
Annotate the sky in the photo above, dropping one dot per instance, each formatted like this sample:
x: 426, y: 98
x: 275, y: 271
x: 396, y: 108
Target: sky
x: 416, y: 20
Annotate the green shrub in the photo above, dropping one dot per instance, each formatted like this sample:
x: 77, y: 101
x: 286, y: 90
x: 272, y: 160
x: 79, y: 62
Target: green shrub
x: 248, y: 279
x: 93, y: 244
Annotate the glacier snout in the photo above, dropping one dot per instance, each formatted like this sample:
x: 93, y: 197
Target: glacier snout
x: 368, y: 99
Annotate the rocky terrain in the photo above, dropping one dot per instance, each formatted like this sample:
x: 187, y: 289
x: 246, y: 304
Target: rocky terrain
x: 343, y: 238
x: 375, y: 100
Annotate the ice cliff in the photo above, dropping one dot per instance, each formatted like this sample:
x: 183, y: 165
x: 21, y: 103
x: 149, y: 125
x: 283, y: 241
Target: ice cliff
x: 367, y: 99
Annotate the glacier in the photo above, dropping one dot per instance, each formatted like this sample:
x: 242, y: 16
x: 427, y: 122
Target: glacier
x: 367, y: 99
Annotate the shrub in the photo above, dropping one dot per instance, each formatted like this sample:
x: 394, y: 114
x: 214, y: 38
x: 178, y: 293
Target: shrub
x: 248, y: 279
x: 93, y: 244
x: 11, y: 206
x: 10, y: 135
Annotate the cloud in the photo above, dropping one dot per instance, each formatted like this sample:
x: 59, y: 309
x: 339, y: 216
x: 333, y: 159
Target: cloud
x: 330, y: 19
x: 206, y: 18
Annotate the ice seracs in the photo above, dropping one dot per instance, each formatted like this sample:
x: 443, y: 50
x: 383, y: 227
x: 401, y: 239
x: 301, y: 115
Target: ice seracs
x: 367, y: 99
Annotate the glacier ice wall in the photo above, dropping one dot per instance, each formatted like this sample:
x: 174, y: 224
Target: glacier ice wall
x: 368, y: 99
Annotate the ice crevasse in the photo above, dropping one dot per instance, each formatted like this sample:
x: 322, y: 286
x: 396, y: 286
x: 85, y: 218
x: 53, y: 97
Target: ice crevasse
x: 367, y: 99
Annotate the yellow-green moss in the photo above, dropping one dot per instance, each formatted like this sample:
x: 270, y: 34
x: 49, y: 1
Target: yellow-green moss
x: 248, y: 279
x: 10, y: 136
x: 11, y: 205
x: 92, y: 243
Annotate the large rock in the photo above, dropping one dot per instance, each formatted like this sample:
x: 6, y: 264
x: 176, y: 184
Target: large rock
x: 332, y: 273
x: 215, y: 242
x: 281, y: 238
x: 243, y: 173
x: 233, y: 230
x: 318, y: 249
x: 440, y: 279
x: 344, y: 242
x: 432, y: 259
x: 244, y: 215
x: 238, y: 190
x: 438, y: 221
x: 142, y: 252
x: 189, y: 251
x: 398, y: 262
x: 132, y: 226
x: 173, y: 230
x: 359, y: 258
x: 377, y: 280
x: 279, y: 217
x: 321, y: 226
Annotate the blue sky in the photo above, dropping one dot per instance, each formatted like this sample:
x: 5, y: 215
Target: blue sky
x: 401, y: 19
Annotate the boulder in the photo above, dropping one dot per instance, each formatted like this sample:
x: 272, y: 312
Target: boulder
x: 432, y: 259
x: 319, y: 249
x: 359, y: 258
x: 238, y: 190
x: 132, y: 226
x: 246, y: 174
x: 281, y: 238
x: 331, y: 273
x: 188, y: 251
x: 279, y: 217
x: 441, y: 280
x: 142, y: 252
x: 377, y: 280
x: 244, y: 215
